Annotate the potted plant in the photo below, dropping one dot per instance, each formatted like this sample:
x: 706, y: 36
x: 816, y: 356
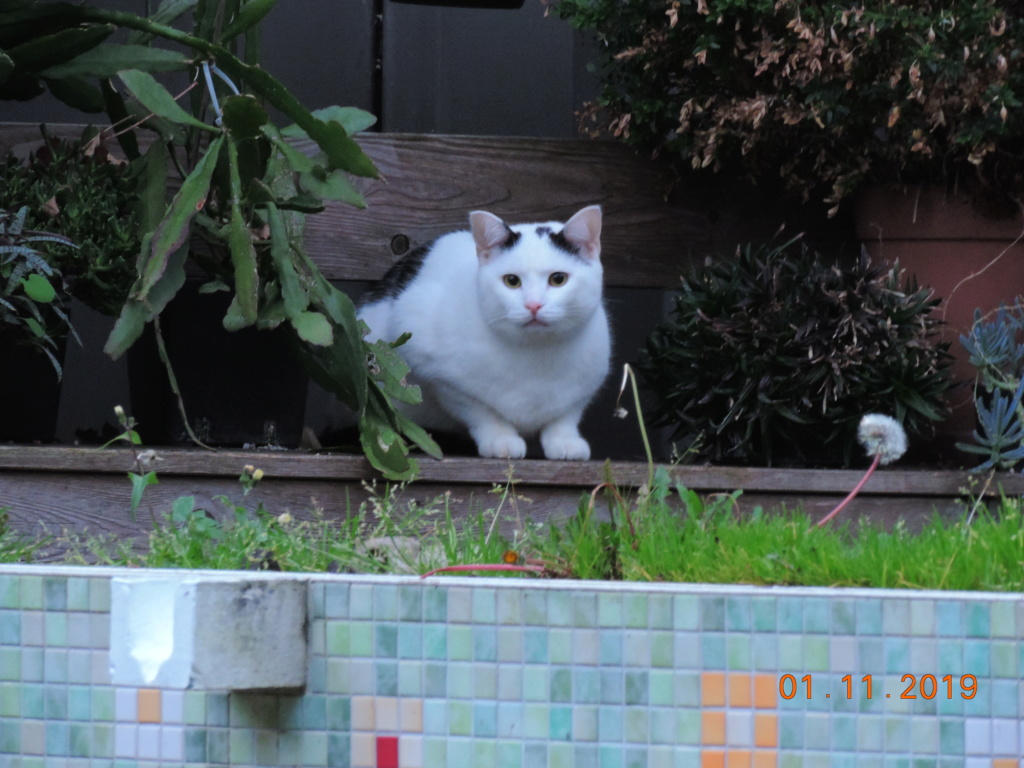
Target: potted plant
x: 834, y: 101
x: 244, y: 187
x: 33, y: 329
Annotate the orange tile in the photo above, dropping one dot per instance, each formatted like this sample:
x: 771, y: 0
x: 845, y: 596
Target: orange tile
x: 712, y: 728
x: 149, y: 705
x: 1005, y: 762
x: 737, y: 758
x: 712, y: 759
x: 765, y: 759
x: 712, y: 689
x: 766, y: 730
x: 766, y: 691
x: 739, y: 690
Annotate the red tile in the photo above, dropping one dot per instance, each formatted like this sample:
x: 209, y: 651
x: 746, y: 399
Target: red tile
x: 387, y: 752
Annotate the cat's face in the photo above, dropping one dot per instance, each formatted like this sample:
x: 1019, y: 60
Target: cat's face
x: 538, y: 281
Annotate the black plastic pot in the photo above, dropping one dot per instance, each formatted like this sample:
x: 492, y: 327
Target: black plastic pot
x: 239, y: 388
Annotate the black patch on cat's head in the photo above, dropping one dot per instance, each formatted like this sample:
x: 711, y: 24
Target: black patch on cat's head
x: 541, y: 231
x: 397, y: 278
x: 561, y: 242
x: 513, y: 238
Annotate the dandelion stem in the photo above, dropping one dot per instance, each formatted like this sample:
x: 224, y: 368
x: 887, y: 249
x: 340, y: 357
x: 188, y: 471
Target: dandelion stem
x: 484, y: 567
x: 854, y: 492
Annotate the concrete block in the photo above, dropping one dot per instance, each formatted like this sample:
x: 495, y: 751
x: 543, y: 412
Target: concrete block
x: 210, y: 633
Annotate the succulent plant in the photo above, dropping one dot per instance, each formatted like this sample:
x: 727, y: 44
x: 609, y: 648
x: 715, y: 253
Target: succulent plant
x: 773, y: 356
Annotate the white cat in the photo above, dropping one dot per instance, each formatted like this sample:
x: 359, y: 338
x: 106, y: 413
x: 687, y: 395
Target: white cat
x: 509, y: 333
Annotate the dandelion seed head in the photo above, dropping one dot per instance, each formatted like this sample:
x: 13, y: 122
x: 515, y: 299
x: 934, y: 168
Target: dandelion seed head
x: 882, y: 436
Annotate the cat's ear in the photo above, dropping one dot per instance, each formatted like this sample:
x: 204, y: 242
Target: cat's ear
x: 489, y: 233
x: 584, y: 231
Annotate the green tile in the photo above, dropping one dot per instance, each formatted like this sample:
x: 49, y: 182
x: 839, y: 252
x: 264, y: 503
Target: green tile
x: 385, y: 641
x: 218, y: 745
x: 738, y: 651
x: 485, y: 643
x: 712, y: 650
x: 659, y: 611
x: 10, y: 591
x: 55, y: 593
x: 360, y: 639
x: 535, y: 646
x: 510, y: 754
x: 314, y: 748
x: 897, y: 655
x: 387, y: 678
x: 584, y: 724
x: 634, y: 611
x: 316, y: 603
x: 662, y: 649
x: 560, y: 685
x: 536, y: 721
x: 336, y: 601
x: 1004, y: 659
x: 435, y: 604
x: 56, y: 629
x: 609, y: 609
x: 510, y: 606
x: 460, y: 681
x: 737, y: 613
x: 791, y: 653
x: 410, y: 603
x: 712, y: 613
x: 844, y: 617
x: 661, y: 688
x: 687, y: 689
x: 360, y: 601
x: 485, y: 681
x: 435, y: 752
x: 560, y: 646
x: 10, y: 737
x: 485, y: 752
x: 816, y: 653
x: 584, y: 609
x: 817, y: 615
x: 266, y: 752
x: 435, y: 641
x: 33, y: 702
x: 637, y: 688
x: 844, y: 733
x: 922, y: 618
x: 688, y: 726
x: 385, y: 602
x: 77, y: 594
x: 560, y: 724
x: 102, y: 741
x: 460, y: 605
x: 337, y: 638
x: 410, y: 640
x: 460, y: 643
x: 1003, y: 619
x: 976, y: 619
x: 79, y: 702
x: 869, y: 616
x: 80, y: 740
x: 485, y: 605
x: 339, y: 751
x: 791, y: 730
x: 460, y: 718
x: 685, y: 612
x: 535, y: 607
x: 102, y: 704
x: 10, y: 664
x: 763, y: 613
x: 31, y: 594
x: 977, y: 658
x: 791, y: 614
x: 241, y: 746
x: 897, y: 734
x: 510, y: 644
x: 535, y: 683
x: 560, y: 612
x: 194, y: 710
x: 99, y: 595
x: 635, y: 725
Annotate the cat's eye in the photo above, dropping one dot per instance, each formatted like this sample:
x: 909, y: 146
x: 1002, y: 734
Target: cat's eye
x: 512, y: 281
x: 558, y: 279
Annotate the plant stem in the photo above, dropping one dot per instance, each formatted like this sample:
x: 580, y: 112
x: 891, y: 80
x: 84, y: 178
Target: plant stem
x: 174, y: 383
x: 484, y: 567
x: 853, y: 493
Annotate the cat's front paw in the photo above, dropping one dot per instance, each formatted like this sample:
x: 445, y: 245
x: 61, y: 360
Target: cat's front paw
x: 502, y: 446
x: 566, y: 448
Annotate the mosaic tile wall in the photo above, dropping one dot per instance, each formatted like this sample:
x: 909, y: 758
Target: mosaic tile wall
x: 501, y: 674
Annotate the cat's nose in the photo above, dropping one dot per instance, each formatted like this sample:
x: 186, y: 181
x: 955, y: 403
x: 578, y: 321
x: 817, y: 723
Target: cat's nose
x: 534, y: 307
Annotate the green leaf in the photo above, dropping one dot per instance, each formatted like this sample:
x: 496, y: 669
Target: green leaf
x: 173, y: 230
x: 419, y: 436
x: 385, y: 449
x: 38, y: 289
x: 352, y: 119
x: 35, y: 327
x: 152, y: 187
x: 313, y: 328
x: 127, y: 328
x: 139, y: 485
x: 158, y: 99
x: 243, y: 252
x: 6, y: 67
x: 112, y: 58
x: 166, y: 13
x: 46, y: 51
x: 250, y: 14
x: 295, y: 298
x: 333, y: 185
x: 76, y: 93
x: 243, y: 116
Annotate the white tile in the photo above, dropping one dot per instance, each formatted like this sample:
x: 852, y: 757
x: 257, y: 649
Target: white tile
x: 126, y: 702
x: 410, y: 751
x: 172, y: 740
x: 977, y: 736
x: 149, y: 742
x: 739, y: 728
x: 842, y: 654
x: 387, y: 713
x: 125, y: 740
x: 172, y: 704
x: 79, y: 666
x: 1005, y: 738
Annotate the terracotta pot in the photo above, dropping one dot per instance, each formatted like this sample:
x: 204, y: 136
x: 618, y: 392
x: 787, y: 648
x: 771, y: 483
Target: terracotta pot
x: 970, y: 260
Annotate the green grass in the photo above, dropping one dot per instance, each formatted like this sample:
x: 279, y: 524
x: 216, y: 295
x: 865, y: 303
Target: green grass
x: 667, y: 534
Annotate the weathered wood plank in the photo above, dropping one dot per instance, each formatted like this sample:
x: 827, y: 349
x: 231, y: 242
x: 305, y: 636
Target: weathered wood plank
x: 456, y: 471
x: 430, y: 183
